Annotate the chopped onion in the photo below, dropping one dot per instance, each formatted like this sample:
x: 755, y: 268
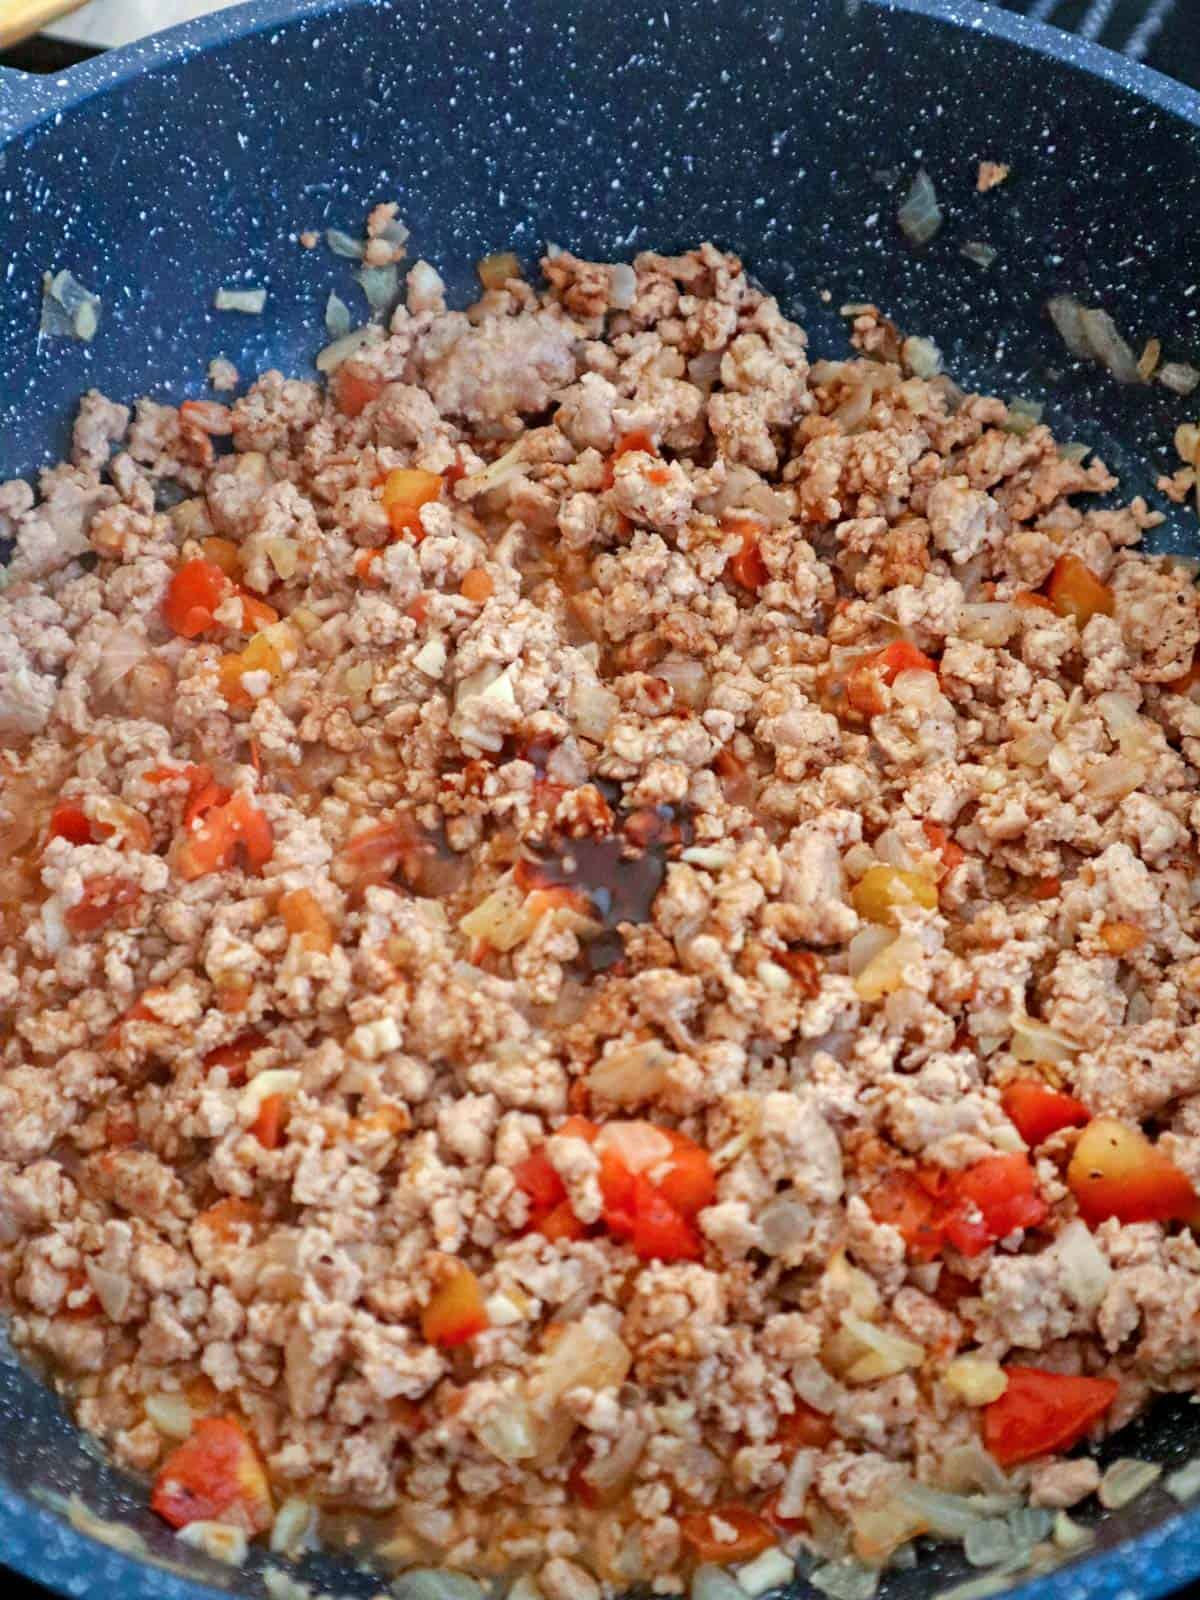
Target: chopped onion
x: 687, y: 677
x: 866, y: 944
x: 69, y: 311
x: 1029, y: 1524
x: 989, y: 1541
x: 1083, y: 1267
x: 1091, y: 335
x: 294, y: 1527
x: 275, y: 1080
x: 1038, y: 1041
x: 885, y: 973
x: 248, y: 301
x: 381, y: 285
x: 1178, y: 376
x: 219, y: 1540
x: 502, y: 919
x: 1185, y: 1481
x: 969, y: 1467
x: 343, y: 245
x: 920, y: 216
x: 991, y: 622
x: 845, y: 1580
x: 1022, y: 415
x: 432, y: 1583
x: 921, y: 356
x: 863, y: 1353
x: 976, y: 1380
x: 1033, y: 749
x: 497, y: 472
x: 947, y: 1516
x: 1114, y: 777
x: 714, y: 1583
x: 495, y: 270
x: 171, y: 1414
x: 773, y: 1569
x: 981, y: 254
x: 1125, y: 1480
x: 786, y: 1224
x: 593, y: 708
x: 506, y: 1428
x: 1071, y: 1536
x: 624, y: 286
x: 633, y: 1073
x: 337, y: 316
x: 331, y: 357
x: 842, y: 1282
x: 890, y: 847
x: 124, y: 646
x: 616, y: 1467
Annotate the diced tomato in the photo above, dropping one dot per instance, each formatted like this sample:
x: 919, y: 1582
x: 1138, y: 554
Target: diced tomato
x: 1042, y: 1413
x: 1028, y: 600
x: 1038, y: 1111
x: 1122, y: 938
x: 626, y: 443
x: 540, y: 1181
x: 1046, y: 888
x: 353, y: 392
x: 68, y: 820
x: 752, y: 1534
x: 863, y: 680
x: 220, y: 833
x: 579, y: 1128
x: 373, y: 855
x: 455, y: 1313
x: 225, y: 554
x: 660, y: 1233
x: 203, y: 797
x: 228, y: 1216
x: 234, y: 1056
x: 561, y: 1223
x: 1116, y: 1172
x: 256, y: 613
x: 195, y: 592
x: 80, y: 1301
x: 618, y: 1189
x: 405, y: 491
x: 1074, y: 590
x: 689, y: 1182
x: 747, y: 566
x: 804, y: 1428
x: 953, y: 855
x: 106, y: 899
x: 1003, y: 1190
x: 267, y: 1127
x: 304, y: 920
x: 902, y: 1201
x: 901, y: 656
x: 215, y: 1475
x: 477, y: 586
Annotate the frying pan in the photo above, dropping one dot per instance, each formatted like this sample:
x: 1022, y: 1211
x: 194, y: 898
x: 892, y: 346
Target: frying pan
x: 783, y: 129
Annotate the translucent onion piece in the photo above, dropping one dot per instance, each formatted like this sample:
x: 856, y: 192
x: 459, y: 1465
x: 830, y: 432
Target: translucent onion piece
x: 773, y: 1569
x: 1184, y: 1483
x: 845, y: 1580
x: 69, y: 311
x: 1038, y: 1041
x: 714, y: 1583
x: 1125, y: 1480
x: 1022, y: 415
x: 171, y: 1415
x: 635, y: 1073
x: 1071, y: 1536
x: 248, y: 301
x: 430, y: 1583
x: 946, y: 1516
x: 381, y: 285
x: 1178, y: 376
x: 343, y: 245
x: 337, y: 316
x: 624, y: 286
x: 921, y: 356
x: 920, y: 216
x: 331, y: 357
x: 983, y: 255
x: 1084, y: 1270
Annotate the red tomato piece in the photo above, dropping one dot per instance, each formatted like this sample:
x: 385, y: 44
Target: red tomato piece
x: 1041, y: 1413
x: 752, y: 1534
x: 234, y: 1056
x: 218, y: 834
x: 659, y: 1232
x: 105, y: 899
x: 689, y: 1183
x: 618, y: 1188
x: 953, y: 855
x: 68, y: 820
x: 747, y: 566
x: 353, y: 391
x: 908, y: 1206
x: 561, y: 1223
x: 1003, y: 1190
x: 1038, y: 1111
x: 1116, y: 1172
x: 784, y: 1524
x: 195, y: 592
x: 804, y: 1428
x: 901, y: 656
x: 1074, y: 590
x: 539, y: 1180
x: 626, y: 443
x: 455, y: 1313
x: 267, y: 1127
x: 215, y: 1475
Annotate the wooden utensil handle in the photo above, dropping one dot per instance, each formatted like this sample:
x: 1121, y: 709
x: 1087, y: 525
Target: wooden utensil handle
x: 20, y: 18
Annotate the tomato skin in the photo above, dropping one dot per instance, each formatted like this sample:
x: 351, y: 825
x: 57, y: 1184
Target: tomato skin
x: 953, y: 855
x: 689, y: 1183
x: 234, y: 1056
x: 1037, y: 1111
x: 540, y: 1181
x: 753, y: 1534
x: 226, y: 1217
x: 1003, y: 1189
x: 1116, y: 1172
x: 1046, y: 888
x: 901, y: 656
x: 626, y: 443
x: 353, y: 392
x: 659, y: 1232
x: 405, y: 491
x: 216, y: 834
x: 907, y: 1205
x: 194, y: 594
x: 804, y: 1428
x: 68, y: 820
x: 455, y: 1313
x: 746, y: 565
x: 267, y: 1127
x: 106, y: 899
x: 561, y: 1223
x: 1074, y: 590
x: 215, y: 1475
x: 1041, y: 1413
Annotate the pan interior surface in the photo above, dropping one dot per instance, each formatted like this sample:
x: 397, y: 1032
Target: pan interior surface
x: 787, y: 134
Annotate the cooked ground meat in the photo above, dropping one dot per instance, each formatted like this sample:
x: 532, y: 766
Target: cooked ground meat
x: 590, y: 923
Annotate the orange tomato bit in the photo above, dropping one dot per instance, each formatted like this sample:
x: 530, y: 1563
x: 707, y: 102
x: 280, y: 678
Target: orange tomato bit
x: 455, y: 1313
x: 747, y: 566
x: 234, y: 1057
x: 304, y: 919
x: 477, y: 586
x: 1116, y: 1172
x: 68, y: 820
x: 268, y: 1126
x: 194, y: 594
x: 1074, y: 590
x: 105, y: 899
x: 405, y: 491
x: 225, y: 554
x: 1041, y: 1413
x: 1122, y: 938
x: 229, y: 1216
x: 354, y: 391
x: 1037, y: 1110
x: 215, y: 1475
x: 953, y: 855
x: 705, y: 1532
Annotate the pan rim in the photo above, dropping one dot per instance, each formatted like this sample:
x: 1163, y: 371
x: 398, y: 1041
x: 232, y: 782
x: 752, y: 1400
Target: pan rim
x: 41, y: 1545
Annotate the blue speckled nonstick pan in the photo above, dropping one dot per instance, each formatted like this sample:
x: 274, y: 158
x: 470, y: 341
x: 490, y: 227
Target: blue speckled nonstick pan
x: 192, y: 160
